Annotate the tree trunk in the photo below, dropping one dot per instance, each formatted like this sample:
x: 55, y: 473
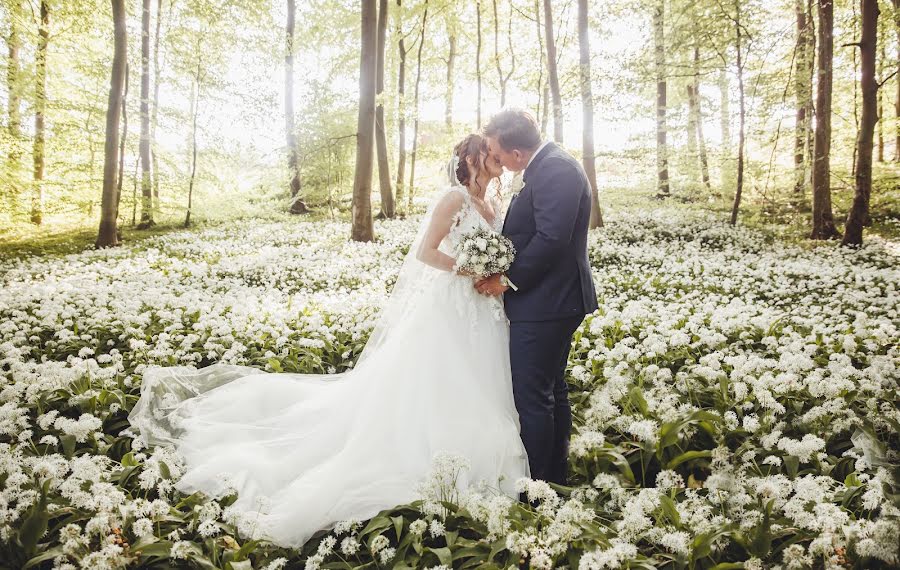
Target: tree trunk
x: 882, y: 56
x: 384, y: 169
x: 478, y: 61
x: 741, y: 133
x: 545, y: 110
x: 541, y: 82
x: 701, y: 139
x: 195, y: 111
x: 822, y: 217
x: 802, y: 89
x: 40, y: 107
x: 106, y: 235
x: 662, y: 151
x: 401, y: 120
x: 587, y: 106
x: 725, y: 122
x: 896, y: 4
x: 554, y: 76
x: 298, y: 206
x: 121, y: 178
x: 415, y: 147
x: 362, y: 229
x: 693, y: 154
x: 855, y: 98
x: 503, y: 78
x: 859, y: 212
x: 146, y: 187
x: 154, y: 118
x: 448, y: 93
x: 14, y: 87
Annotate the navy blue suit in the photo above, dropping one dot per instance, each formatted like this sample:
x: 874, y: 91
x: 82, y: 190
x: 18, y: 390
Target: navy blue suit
x: 548, y: 224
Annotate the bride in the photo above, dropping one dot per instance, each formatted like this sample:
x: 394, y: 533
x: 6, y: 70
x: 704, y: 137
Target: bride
x: 306, y: 451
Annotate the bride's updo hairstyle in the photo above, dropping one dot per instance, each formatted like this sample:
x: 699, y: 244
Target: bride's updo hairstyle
x: 472, y: 146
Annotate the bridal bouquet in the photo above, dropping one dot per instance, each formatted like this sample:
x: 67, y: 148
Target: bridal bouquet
x: 484, y: 252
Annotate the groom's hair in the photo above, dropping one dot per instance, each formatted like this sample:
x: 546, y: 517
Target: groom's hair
x: 514, y: 129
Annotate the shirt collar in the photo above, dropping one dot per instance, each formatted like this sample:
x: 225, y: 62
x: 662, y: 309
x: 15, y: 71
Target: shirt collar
x: 537, y: 152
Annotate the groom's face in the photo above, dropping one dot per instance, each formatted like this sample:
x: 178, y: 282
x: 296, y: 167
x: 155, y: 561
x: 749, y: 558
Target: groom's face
x: 511, y: 160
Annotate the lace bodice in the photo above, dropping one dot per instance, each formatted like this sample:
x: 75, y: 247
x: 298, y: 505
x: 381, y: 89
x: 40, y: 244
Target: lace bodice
x: 468, y: 219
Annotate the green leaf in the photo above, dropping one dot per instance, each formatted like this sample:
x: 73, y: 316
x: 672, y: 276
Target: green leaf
x: 128, y: 460
x: 35, y: 525
x: 687, y: 456
x: 792, y: 464
x: 398, y: 525
x: 637, y: 399
x: 670, y: 510
x: 376, y: 525
x: 68, y: 445
x: 444, y: 555
x: 48, y: 555
x: 161, y: 548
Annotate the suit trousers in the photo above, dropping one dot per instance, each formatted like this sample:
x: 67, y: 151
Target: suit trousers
x: 539, y: 351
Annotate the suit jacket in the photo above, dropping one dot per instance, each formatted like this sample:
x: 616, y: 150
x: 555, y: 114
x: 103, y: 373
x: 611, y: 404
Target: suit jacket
x: 548, y: 224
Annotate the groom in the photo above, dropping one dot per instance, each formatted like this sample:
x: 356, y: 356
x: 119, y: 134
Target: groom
x: 548, y: 289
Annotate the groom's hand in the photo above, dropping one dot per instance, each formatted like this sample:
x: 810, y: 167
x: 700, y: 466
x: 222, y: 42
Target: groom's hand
x: 491, y: 286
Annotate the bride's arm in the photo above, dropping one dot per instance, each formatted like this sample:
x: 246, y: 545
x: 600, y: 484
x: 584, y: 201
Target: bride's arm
x: 442, y: 219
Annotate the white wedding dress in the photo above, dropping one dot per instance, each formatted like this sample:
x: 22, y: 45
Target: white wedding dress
x: 305, y: 451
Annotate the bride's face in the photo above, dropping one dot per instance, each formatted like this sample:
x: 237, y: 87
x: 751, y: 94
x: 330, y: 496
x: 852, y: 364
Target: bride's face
x: 490, y: 164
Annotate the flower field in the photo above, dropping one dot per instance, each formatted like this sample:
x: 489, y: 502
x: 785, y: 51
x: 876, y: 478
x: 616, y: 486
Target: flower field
x: 735, y: 401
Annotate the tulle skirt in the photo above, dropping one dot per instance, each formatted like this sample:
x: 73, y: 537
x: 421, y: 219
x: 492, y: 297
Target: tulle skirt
x: 305, y: 451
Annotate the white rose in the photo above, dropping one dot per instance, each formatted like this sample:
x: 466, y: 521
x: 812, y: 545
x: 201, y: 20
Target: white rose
x: 492, y: 250
x: 462, y: 259
x: 481, y: 244
x: 502, y: 261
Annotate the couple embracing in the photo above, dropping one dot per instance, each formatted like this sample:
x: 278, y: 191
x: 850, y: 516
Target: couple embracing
x: 461, y: 364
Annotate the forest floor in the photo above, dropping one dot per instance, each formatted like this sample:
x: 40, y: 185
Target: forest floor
x: 784, y: 215
x: 735, y: 398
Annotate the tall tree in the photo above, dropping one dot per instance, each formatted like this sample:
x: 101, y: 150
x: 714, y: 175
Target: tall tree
x: 882, y: 56
x: 384, y: 172
x: 478, y: 61
x: 154, y: 118
x: 146, y: 186
x: 698, y: 119
x: 362, y: 229
x: 415, y: 147
x: 543, y: 87
x: 662, y: 151
x: 451, y: 23
x: 554, y: 76
x: 743, y: 113
x: 503, y: 78
x: 859, y: 212
x: 803, y: 93
x: 196, y: 86
x: 40, y: 109
x: 587, y: 106
x: 896, y: 4
x: 402, y: 51
x: 13, y: 87
x: 725, y: 123
x: 298, y: 206
x: 822, y: 217
x: 106, y: 235
x: 121, y: 176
